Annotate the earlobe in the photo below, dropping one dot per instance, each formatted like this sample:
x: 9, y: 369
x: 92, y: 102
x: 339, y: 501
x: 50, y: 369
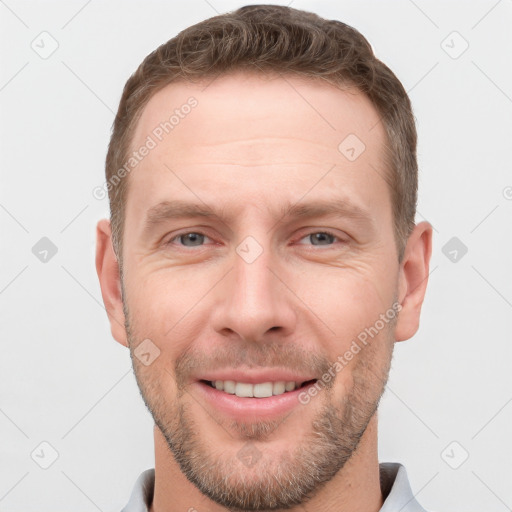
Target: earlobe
x: 107, y: 268
x: 413, y: 279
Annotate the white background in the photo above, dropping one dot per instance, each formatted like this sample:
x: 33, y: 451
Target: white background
x: 65, y: 381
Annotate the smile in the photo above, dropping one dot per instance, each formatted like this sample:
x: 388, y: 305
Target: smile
x: 262, y: 399
x: 259, y: 390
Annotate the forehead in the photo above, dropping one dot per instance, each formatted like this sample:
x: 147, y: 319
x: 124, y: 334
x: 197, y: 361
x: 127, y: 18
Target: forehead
x: 290, y: 130
x: 242, y: 105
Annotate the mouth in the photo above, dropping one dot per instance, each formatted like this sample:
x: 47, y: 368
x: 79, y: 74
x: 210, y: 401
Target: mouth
x: 262, y: 399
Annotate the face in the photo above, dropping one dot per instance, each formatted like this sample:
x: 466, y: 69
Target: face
x: 257, y: 252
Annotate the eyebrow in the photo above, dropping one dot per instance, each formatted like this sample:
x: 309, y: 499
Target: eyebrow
x: 179, y: 209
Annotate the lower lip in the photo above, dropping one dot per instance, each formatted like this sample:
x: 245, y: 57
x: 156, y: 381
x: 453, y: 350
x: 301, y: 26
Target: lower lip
x: 250, y: 408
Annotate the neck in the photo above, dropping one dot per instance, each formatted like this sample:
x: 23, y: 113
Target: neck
x: 355, y: 488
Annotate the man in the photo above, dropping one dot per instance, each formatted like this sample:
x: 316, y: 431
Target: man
x: 262, y: 260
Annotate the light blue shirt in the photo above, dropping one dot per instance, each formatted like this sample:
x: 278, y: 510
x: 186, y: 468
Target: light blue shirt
x: 394, y: 484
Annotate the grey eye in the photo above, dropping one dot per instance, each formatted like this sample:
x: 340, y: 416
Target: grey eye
x: 321, y: 238
x: 195, y: 239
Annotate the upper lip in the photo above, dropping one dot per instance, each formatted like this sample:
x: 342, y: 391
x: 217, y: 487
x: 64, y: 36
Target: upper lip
x: 255, y: 376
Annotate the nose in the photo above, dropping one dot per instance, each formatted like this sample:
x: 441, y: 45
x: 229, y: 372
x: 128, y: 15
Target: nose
x: 253, y: 302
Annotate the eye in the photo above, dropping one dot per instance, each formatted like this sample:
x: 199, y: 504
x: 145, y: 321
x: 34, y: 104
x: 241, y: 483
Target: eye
x: 321, y: 238
x: 197, y: 239
x: 190, y: 239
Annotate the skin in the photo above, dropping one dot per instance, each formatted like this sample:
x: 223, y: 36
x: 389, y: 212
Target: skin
x: 299, y: 305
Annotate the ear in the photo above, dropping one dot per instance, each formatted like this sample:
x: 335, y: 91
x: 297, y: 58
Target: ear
x: 107, y: 268
x: 412, y: 281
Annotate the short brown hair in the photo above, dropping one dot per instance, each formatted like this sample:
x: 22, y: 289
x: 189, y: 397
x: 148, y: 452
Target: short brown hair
x: 273, y: 38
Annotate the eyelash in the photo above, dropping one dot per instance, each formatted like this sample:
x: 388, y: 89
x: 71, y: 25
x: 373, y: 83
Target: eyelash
x: 324, y: 232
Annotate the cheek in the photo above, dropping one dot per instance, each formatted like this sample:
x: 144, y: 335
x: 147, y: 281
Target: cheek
x: 163, y: 308
x: 347, y: 299
x: 158, y: 300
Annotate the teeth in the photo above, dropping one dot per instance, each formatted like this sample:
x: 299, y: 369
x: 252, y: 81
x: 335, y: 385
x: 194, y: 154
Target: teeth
x: 244, y: 390
x: 278, y: 388
x: 289, y: 386
x: 262, y: 390
x: 229, y: 386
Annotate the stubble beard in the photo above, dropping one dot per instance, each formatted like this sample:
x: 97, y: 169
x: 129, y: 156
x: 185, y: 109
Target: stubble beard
x: 272, y: 482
